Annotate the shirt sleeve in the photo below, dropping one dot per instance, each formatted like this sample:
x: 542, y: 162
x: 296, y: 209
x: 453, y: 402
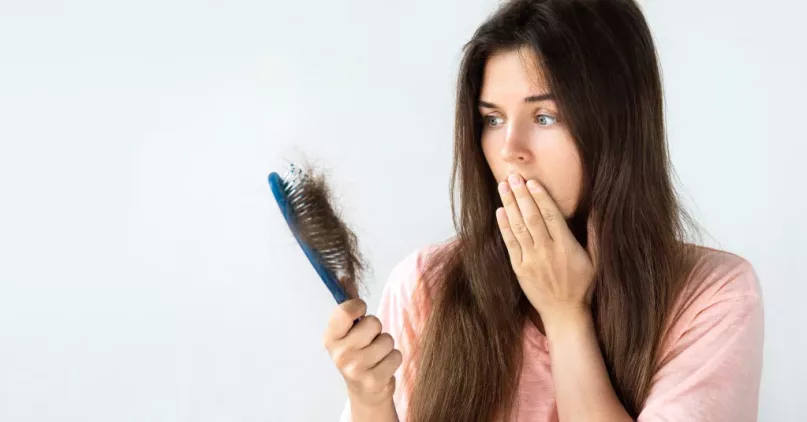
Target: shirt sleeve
x: 712, y: 371
x: 393, y: 311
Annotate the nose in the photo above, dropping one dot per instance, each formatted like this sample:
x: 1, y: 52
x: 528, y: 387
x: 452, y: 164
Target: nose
x: 515, y: 149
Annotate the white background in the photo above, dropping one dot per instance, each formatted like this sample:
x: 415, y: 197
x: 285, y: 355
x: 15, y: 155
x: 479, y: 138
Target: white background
x: 145, y: 271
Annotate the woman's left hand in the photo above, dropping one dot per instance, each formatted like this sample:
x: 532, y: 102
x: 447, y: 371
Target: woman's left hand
x: 555, y: 272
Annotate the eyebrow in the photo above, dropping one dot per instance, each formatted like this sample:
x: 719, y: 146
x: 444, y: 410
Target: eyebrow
x: 532, y: 99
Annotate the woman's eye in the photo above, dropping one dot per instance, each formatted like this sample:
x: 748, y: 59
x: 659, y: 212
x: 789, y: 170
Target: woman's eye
x: 492, y: 119
x: 545, y: 119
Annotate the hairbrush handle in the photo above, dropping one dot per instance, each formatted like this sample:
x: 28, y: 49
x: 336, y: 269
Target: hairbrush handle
x: 278, y: 190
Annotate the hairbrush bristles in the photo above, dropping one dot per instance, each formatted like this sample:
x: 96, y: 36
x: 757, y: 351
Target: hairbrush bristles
x: 318, y: 227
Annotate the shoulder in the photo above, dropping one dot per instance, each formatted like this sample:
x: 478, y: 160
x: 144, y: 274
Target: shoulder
x: 717, y: 275
x: 404, y: 303
x: 712, y: 351
x: 407, y: 274
x: 722, y: 296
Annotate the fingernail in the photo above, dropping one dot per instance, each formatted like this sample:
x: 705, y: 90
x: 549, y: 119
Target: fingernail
x: 533, y: 186
x: 515, y: 180
x: 503, y: 188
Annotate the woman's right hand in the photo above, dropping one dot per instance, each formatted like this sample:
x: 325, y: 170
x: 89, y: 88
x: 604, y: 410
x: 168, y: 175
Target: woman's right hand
x: 364, y: 355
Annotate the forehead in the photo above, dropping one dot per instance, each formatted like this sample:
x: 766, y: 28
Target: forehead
x: 512, y: 73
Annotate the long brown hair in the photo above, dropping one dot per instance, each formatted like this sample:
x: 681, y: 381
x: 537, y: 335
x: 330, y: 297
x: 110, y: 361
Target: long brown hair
x: 598, y: 58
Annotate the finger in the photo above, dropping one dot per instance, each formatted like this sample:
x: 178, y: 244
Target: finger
x: 380, y: 347
x: 362, y: 334
x: 529, y: 210
x: 342, y: 318
x: 553, y: 218
x: 513, y: 247
x: 386, y: 367
x: 517, y: 225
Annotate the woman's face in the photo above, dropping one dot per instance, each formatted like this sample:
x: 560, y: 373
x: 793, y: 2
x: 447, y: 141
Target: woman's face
x: 522, y: 131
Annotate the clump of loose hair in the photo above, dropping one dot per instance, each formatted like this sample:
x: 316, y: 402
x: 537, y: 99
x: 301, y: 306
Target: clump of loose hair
x: 320, y: 225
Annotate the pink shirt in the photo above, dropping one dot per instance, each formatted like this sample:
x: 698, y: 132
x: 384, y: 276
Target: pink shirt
x: 711, y: 358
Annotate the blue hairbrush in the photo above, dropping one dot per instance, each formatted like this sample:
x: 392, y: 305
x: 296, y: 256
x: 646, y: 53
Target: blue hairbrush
x: 304, y: 199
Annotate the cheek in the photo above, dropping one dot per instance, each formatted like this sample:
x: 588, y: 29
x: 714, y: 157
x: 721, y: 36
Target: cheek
x: 493, y: 158
x: 564, y: 174
x: 560, y: 169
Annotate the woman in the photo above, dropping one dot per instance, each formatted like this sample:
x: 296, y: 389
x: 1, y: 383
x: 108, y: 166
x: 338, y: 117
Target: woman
x: 568, y: 293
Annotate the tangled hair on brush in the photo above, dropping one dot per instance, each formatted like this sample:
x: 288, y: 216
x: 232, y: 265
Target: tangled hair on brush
x: 320, y: 226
